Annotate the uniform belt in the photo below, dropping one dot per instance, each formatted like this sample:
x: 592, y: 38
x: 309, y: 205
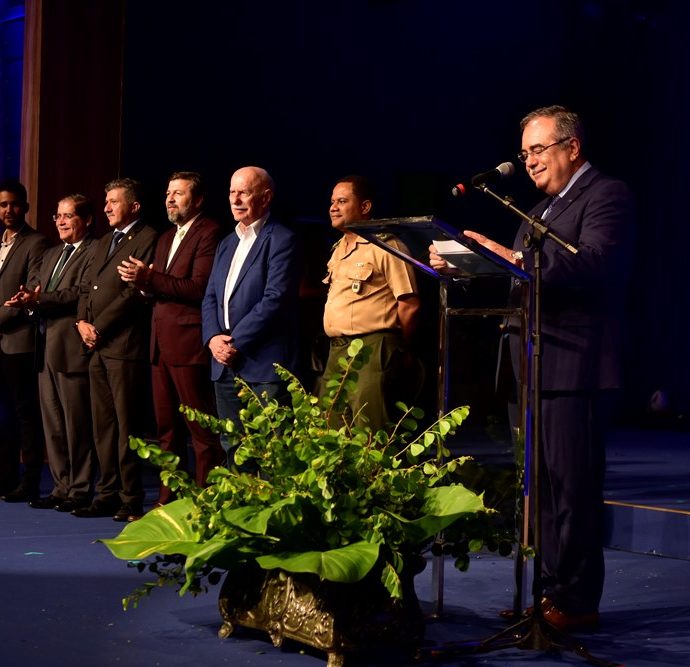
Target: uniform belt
x: 341, y: 341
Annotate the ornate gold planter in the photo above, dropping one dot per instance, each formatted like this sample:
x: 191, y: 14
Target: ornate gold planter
x: 335, y: 618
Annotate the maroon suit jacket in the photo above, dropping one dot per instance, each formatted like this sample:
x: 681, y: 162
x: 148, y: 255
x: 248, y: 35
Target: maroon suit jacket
x: 178, y: 291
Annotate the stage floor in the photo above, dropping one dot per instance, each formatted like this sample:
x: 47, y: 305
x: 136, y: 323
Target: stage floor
x: 61, y: 594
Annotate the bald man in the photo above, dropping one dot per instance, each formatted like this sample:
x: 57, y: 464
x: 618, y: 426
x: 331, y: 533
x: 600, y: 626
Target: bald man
x: 248, y: 310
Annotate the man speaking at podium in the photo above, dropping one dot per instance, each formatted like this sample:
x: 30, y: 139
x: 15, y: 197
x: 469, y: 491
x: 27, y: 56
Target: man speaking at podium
x: 583, y: 298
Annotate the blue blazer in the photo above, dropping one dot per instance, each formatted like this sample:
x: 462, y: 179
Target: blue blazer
x: 584, y: 294
x: 263, y: 304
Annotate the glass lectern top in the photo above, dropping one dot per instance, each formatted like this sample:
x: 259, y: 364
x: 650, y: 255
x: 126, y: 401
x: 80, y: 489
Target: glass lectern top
x: 466, y: 257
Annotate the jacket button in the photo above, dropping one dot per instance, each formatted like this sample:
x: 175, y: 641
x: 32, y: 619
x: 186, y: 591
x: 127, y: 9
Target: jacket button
x: 95, y: 286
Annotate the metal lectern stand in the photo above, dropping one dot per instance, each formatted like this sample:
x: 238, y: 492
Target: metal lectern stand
x: 474, y: 260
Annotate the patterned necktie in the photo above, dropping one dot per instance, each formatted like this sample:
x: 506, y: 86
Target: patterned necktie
x: 66, y: 253
x: 549, y: 209
x: 117, y: 237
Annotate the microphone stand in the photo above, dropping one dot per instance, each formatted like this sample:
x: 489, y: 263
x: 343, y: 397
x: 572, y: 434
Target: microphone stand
x: 532, y: 632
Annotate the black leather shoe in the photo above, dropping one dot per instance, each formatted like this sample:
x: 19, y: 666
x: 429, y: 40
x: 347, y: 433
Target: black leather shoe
x: 129, y: 512
x: 20, y: 495
x: 47, y: 503
x: 95, y: 510
x: 71, y: 504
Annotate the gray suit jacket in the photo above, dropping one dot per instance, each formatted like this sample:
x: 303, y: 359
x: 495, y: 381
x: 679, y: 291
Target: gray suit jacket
x: 17, y: 330
x: 116, y: 308
x: 57, y: 337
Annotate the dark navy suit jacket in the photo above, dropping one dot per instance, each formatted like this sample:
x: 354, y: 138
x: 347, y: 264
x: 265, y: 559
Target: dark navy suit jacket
x: 584, y: 294
x: 263, y: 304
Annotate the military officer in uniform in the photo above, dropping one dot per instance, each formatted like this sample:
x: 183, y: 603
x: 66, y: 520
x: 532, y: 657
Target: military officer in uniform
x: 372, y: 295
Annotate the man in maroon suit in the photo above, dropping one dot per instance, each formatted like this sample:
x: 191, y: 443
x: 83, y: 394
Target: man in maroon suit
x: 176, y: 281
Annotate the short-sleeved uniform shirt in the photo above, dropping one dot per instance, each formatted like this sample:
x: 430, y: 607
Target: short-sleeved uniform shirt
x: 365, y: 283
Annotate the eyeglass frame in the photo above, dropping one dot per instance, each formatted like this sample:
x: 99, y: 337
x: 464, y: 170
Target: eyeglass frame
x: 69, y: 216
x: 523, y: 156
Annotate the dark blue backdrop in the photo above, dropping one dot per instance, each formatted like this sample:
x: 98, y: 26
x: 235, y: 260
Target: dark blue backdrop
x: 419, y: 94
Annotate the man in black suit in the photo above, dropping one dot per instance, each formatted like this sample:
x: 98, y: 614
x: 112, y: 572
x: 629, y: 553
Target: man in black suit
x: 582, y: 310
x: 63, y: 378
x: 21, y: 251
x: 113, y: 320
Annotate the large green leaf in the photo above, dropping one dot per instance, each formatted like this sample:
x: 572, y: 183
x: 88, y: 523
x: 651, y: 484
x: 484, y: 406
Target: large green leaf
x: 164, y: 530
x: 442, y: 506
x: 255, y: 519
x: 345, y: 565
x: 455, y: 499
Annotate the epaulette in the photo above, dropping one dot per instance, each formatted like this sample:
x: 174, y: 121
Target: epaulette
x: 336, y: 244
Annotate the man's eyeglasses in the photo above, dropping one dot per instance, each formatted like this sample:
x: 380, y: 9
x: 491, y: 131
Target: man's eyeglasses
x: 539, y: 149
x: 67, y: 216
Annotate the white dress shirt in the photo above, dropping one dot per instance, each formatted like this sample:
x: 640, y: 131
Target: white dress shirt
x: 247, y: 236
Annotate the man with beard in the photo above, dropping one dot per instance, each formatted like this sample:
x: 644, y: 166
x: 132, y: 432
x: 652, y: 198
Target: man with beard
x: 176, y: 281
x: 21, y: 251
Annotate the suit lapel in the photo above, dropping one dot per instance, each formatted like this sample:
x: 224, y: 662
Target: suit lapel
x: 50, y: 260
x: 185, y: 241
x: 253, y: 253
x: 78, y: 252
x: 18, y: 240
x: 121, y: 251
x: 166, y: 244
x: 562, y: 203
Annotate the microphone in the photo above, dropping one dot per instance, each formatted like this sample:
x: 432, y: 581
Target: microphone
x: 503, y: 170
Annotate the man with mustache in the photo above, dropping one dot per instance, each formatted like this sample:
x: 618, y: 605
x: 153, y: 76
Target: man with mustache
x: 176, y: 282
x: 113, y: 320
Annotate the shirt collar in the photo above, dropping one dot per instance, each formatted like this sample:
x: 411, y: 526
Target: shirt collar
x: 573, y: 178
x: 250, y: 231
x: 126, y: 229
x: 7, y: 239
x: 187, y: 224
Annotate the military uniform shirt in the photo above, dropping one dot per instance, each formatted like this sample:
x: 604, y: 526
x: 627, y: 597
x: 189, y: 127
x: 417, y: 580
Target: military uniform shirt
x: 365, y: 283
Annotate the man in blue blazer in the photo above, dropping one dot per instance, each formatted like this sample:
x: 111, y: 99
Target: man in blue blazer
x: 583, y: 300
x: 248, y: 311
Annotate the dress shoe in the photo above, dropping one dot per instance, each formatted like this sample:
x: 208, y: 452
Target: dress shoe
x: 129, y: 512
x: 71, y: 504
x: 95, y: 510
x: 20, y: 495
x: 566, y: 622
x: 509, y: 614
x: 47, y: 503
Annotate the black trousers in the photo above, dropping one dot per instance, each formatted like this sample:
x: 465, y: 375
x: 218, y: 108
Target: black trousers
x: 573, y: 460
x: 21, y: 429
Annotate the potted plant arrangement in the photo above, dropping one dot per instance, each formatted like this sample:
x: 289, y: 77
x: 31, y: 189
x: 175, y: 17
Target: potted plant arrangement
x: 322, y: 543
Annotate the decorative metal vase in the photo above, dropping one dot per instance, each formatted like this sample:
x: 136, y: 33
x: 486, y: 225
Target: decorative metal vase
x: 335, y: 618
